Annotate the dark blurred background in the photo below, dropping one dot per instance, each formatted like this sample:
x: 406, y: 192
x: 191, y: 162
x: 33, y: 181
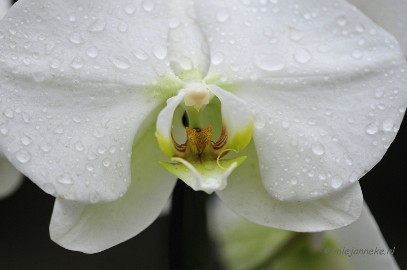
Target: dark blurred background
x: 25, y: 242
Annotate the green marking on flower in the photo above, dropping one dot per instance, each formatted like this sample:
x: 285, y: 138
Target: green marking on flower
x: 165, y: 88
x: 200, y: 159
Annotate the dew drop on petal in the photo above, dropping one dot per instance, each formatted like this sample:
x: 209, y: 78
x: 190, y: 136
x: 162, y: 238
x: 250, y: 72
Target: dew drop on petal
x: 120, y: 62
x: 23, y: 156
x: 353, y: 177
x: 77, y: 63
x: 160, y: 52
x: 269, y: 62
x: 25, y: 140
x: 140, y: 54
x: 357, y: 54
x: 92, y: 52
x: 302, y: 56
x: 148, y: 5
x: 259, y: 121
x: 45, y: 147
x: 372, y: 128
x: 388, y: 124
x: 8, y: 113
x: 318, y: 149
x: 129, y: 9
x: 79, y: 146
x: 336, y: 181
x: 65, y: 179
x: 75, y: 38
x: 222, y: 16
x: 97, y: 26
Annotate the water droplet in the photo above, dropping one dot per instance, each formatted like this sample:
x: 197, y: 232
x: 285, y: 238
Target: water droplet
x: 336, y: 182
x: 372, y: 128
x: 123, y: 27
x: 388, y: 124
x: 160, y: 52
x: 217, y: 58
x: 25, y: 140
x: 79, y: 146
x: 285, y: 124
x: 23, y: 156
x: 148, y: 5
x: 49, y: 188
x: 93, y: 197
x: 65, y: 179
x: 318, y: 149
x: 341, y: 20
x: 129, y: 9
x: 92, y: 52
x: 75, y: 38
x: 77, y: 63
x: 269, y: 62
x: 120, y: 62
x: 222, y: 16
x: 357, y: 54
x: 45, y: 147
x: 4, y: 130
x: 8, y: 113
x: 302, y: 55
x: 140, y: 54
x: 379, y: 92
x: 106, y: 162
x: 259, y: 121
x: 296, y: 35
x: 348, y: 159
x: 294, y: 181
x: 353, y: 177
x: 97, y: 26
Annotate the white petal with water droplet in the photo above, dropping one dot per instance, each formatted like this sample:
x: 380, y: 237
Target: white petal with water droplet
x: 96, y: 227
x: 82, y: 91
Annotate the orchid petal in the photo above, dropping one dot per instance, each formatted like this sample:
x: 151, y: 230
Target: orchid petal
x: 391, y: 15
x: 327, y: 88
x: 10, y: 180
x: 92, y: 228
x: 246, y: 196
x: 364, y: 234
x: 73, y: 94
x: 164, y: 124
x: 188, y: 47
x: 236, y: 117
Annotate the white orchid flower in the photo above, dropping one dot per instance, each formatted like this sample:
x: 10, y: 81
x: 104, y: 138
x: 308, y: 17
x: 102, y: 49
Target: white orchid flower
x: 288, y: 103
x: 10, y: 179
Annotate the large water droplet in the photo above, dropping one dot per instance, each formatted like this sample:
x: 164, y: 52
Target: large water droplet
x: 97, y: 26
x: 75, y: 38
x: 77, y: 63
x: 8, y: 113
x: 79, y: 146
x: 269, y: 62
x: 318, y: 149
x: 160, y: 52
x: 222, y: 16
x: 302, y: 55
x: 353, y: 177
x: 129, y: 9
x: 372, y: 128
x: 65, y: 179
x: 92, y: 52
x: 259, y: 121
x: 337, y: 181
x: 120, y: 62
x: 23, y: 156
x: 140, y: 54
x: 25, y: 140
x: 388, y: 124
x: 148, y: 5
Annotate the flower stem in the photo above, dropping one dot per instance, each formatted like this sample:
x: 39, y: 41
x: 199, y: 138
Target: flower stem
x: 189, y: 243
